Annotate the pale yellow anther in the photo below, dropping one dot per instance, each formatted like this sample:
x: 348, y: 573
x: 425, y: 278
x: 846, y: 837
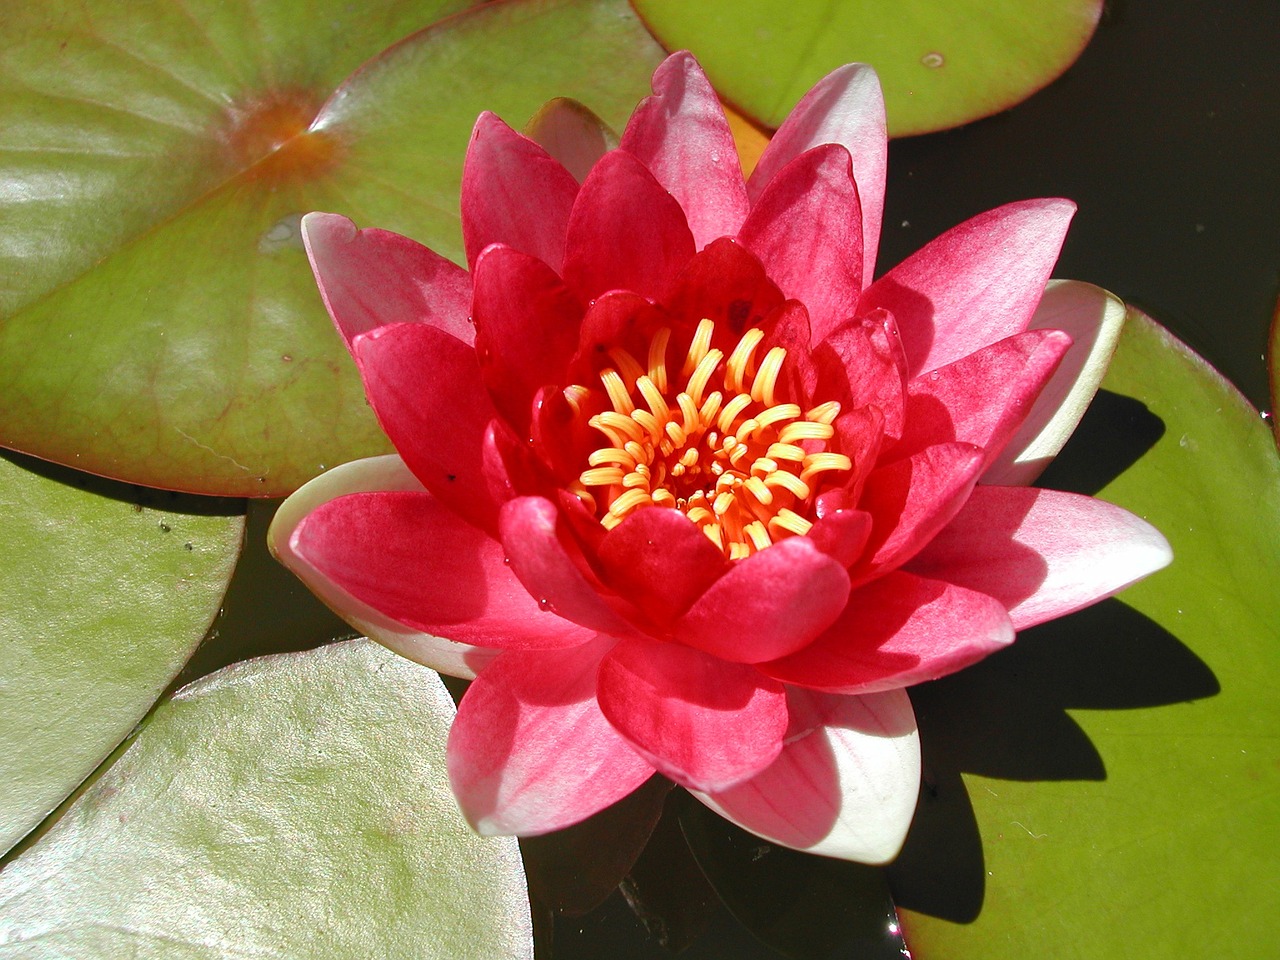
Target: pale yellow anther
x: 716, y: 535
x: 699, y: 346
x: 698, y: 381
x: 805, y: 430
x: 766, y: 381
x: 643, y: 470
x: 622, y: 427
x: 777, y: 414
x: 601, y: 476
x: 619, y: 397
x: 722, y: 503
x: 653, y: 398
x: 611, y: 456
x: 675, y: 433
x: 747, y: 430
x: 759, y: 490
x: 689, y: 457
x: 785, y: 451
x: 652, y: 425
x: 658, y: 358
x: 610, y: 520
x: 664, y: 497
x: 728, y: 443
x: 636, y: 481
x: 628, y: 501
x: 637, y: 450
x: 688, y: 411
x: 763, y: 466
x: 731, y: 411
x: 739, y: 454
x: 678, y: 470
x: 824, y: 412
x: 627, y: 365
x: 700, y: 515
x: 576, y: 396
x: 739, y: 550
x: 579, y: 490
x: 817, y: 463
x: 710, y: 407
x: 790, y: 522
x: 736, y: 370
x: 784, y: 480
x: 759, y: 535
x: 727, y: 481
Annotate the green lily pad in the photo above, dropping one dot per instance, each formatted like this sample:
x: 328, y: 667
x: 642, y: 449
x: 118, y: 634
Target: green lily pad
x: 293, y: 806
x: 158, y: 320
x: 1110, y: 785
x: 942, y: 62
x: 105, y: 591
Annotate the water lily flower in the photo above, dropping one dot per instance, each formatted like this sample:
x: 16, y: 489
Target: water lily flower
x: 684, y: 487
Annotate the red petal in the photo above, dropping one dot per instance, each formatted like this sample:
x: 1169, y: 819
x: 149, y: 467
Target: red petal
x: 526, y: 328
x: 898, y: 631
x: 530, y: 751
x: 844, y: 107
x: 681, y: 135
x: 411, y: 559
x: 842, y: 535
x: 982, y: 398
x: 976, y: 284
x: 545, y: 564
x: 1042, y: 553
x: 371, y: 278
x: 425, y: 386
x: 770, y: 604
x: 725, y: 284
x: 704, y: 723
x: 618, y: 319
x: 846, y: 790
x: 661, y: 561
x: 911, y: 500
x: 513, y: 192
x: 806, y: 228
x: 858, y: 365
x: 625, y: 232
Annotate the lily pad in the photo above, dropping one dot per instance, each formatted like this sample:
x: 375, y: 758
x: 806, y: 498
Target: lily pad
x: 1110, y: 786
x: 158, y: 320
x: 942, y: 62
x: 105, y: 591
x: 293, y: 806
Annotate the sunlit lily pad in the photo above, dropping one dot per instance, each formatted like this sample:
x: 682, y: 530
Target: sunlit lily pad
x: 1121, y: 783
x: 294, y: 806
x: 105, y: 591
x: 942, y: 62
x: 158, y: 320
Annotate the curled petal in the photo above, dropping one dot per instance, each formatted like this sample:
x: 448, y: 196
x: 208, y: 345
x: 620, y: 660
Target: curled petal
x: 723, y: 283
x: 680, y: 133
x: 530, y: 751
x: 806, y: 229
x: 571, y: 133
x: 403, y: 554
x: 514, y: 192
x: 370, y: 278
x: 977, y: 283
x: 770, y: 604
x: 897, y: 631
x: 376, y: 473
x: 438, y: 423
x: 703, y: 722
x: 847, y: 789
x: 1042, y: 553
x: 844, y: 107
x: 625, y: 232
x: 1093, y: 318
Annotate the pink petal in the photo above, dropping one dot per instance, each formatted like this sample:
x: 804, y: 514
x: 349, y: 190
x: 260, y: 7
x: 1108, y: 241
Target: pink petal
x: 701, y: 721
x: 848, y: 789
x: 661, y: 561
x: 370, y: 278
x: 526, y: 328
x: 845, y: 107
x: 898, y: 631
x: 618, y: 319
x: 770, y: 604
x: 513, y: 192
x: 1093, y: 318
x: 681, y: 135
x: 842, y: 535
x: 571, y: 133
x: 625, y: 232
x: 530, y: 751
x: 976, y: 284
x: 982, y: 398
x: 1042, y: 553
x: 787, y: 326
x: 426, y: 389
x: 806, y: 228
x: 723, y: 283
x: 544, y: 561
x: 859, y: 365
x: 375, y: 473
x: 911, y: 500
x: 402, y: 553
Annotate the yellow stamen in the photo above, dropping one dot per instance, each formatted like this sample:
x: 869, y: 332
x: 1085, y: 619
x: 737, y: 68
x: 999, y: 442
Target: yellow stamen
x: 601, y: 476
x: 735, y: 371
x: 619, y: 398
x: 658, y: 358
x: 702, y: 373
x: 627, y: 366
x: 766, y: 381
x: 806, y: 430
x: 698, y: 347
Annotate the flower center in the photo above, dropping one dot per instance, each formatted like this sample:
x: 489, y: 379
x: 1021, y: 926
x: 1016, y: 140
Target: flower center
x: 722, y: 449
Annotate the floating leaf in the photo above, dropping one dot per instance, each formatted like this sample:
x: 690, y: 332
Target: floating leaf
x: 1121, y: 784
x: 293, y: 806
x: 158, y: 320
x: 105, y: 591
x: 942, y: 62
